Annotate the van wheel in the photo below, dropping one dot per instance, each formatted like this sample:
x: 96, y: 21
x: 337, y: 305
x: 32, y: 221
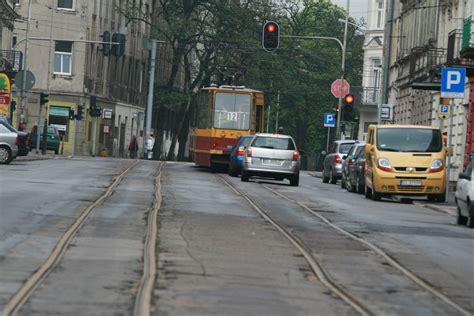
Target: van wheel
x: 5, y: 155
x: 461, y: 219
x: 376, y: 196
x: 368, y: 192
x: 437, y: 198
x: 332, y: 178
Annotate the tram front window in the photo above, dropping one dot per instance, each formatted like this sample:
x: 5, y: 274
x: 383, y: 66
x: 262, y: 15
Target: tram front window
x: 232, y: 111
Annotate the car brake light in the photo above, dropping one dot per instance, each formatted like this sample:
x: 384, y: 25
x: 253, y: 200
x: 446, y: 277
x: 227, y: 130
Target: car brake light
x: 249, y: 152
x: 350, y: 162
x: 240, y: 151
x: 296, y: 155
x: 337, y: 159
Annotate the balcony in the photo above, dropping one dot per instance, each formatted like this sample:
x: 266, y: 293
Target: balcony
x: 10, y: 60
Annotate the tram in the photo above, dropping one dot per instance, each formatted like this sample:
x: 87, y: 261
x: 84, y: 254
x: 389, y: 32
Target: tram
x: 221, y: 114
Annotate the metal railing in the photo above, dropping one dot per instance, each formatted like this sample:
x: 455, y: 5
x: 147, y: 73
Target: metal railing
x: 10, y: 60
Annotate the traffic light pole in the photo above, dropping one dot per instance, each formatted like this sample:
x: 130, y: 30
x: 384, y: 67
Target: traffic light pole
x: 25, y: 66
x: 38, y: 127
x: 94, y: 135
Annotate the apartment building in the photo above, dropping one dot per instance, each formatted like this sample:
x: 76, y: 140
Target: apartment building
x: 427, y: 36
x: 372, y: 68
x: 73, y: 67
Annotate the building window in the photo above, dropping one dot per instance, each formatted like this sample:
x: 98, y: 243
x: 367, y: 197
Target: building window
x: 63, y: 58
x: 65, y: 4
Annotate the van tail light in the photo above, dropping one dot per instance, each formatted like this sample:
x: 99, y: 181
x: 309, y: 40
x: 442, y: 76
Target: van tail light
x: 240, y: 151
x: 437, y: 166
x: 337, y: 159
x: 249, y: 152
x: 296, y: 155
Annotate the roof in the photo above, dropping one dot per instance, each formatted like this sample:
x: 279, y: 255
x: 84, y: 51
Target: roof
x: 273, y: 135
x: 231, y: 88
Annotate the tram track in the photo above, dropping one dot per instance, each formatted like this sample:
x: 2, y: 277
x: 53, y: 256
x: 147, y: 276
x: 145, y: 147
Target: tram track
x: 22, y: 295
x: 379, y: 251
x: 315, y: 267
x: 143, y: 300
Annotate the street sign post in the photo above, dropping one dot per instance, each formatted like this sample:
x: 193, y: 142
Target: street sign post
x: 336, y: 88
x: 453, y: 82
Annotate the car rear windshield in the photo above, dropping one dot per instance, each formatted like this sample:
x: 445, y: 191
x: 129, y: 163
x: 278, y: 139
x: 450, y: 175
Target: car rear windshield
x: 245, y: 141
x: 409, y: 140
x: 345, y: 147
x: 273, y: 143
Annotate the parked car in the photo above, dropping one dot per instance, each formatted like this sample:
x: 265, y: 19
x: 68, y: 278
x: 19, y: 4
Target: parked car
x: 356, y: 177
x: 8, y: 145
x: 52, y: 141
x: 272, y: 155
x: 464, y: 196
x: 23, y: 138
x: 346, y: 163
x: 333, y: 161
x: 237, y: 154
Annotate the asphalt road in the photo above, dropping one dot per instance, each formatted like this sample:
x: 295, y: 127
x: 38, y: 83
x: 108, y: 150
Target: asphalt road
x: 216, y: 254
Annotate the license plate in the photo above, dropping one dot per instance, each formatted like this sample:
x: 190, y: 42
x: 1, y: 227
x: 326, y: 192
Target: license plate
x: 410, y: 183
x: 269, y: 162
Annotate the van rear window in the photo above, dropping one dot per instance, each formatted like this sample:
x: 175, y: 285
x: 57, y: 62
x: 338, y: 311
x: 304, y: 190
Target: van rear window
x: 273, y: 143
x: 409, y: 140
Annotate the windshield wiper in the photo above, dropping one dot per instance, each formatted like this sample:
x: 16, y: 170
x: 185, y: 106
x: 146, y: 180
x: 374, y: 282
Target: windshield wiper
x: 389, y: 149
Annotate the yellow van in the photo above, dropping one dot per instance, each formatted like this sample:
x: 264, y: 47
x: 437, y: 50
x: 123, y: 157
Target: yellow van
x: 405, y: 160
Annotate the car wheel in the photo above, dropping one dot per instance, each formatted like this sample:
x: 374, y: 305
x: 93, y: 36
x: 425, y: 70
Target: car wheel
x: 245, y: 176
x: 56, y: 151
x: 5, y: 155
x: 332, y: 178
x: 343, y: 182
x: 368, y: 192
x: 350, y: 187
x: 232, y: 172
x: 295, y: 180
x: 325, y: 179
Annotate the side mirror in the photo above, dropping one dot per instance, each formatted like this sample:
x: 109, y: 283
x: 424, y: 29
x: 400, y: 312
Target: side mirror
x: 323, y: 153
x: 465, y: 176
x: 371, y: 148
x: 344, y: 157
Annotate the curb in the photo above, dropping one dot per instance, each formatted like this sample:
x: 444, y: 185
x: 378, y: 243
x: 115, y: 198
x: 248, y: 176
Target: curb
x: 449, y: 210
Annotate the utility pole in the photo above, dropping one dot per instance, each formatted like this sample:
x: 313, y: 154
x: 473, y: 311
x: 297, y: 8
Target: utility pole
x: 343, y: 69
x: 388, y: 50
x: 25, y: 67
x: 278, y: 112
x: 149, y: 107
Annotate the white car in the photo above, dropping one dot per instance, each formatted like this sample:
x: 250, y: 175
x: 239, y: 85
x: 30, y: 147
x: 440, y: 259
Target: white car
x: 464, y: 196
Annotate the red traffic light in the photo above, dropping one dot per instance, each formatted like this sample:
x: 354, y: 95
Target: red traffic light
x: 271, y: 27
x: 349, y: 99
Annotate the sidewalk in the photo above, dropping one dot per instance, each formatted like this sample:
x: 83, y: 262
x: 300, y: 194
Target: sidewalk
x: 32, y: 156
x: 448, y: 208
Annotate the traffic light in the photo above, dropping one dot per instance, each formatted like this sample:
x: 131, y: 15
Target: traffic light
x: 80, y: 113
x: 43, y: 98
x: 95, y: 110
x: 271, y: 36
x: 106, y: 43
x: 118, y: 49
x: 71, y: 114
x: 349, y: 100
x: 12, y: 106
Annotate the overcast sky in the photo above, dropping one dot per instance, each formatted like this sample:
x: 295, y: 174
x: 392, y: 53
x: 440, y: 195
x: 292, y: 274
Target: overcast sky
x: 357, y: 8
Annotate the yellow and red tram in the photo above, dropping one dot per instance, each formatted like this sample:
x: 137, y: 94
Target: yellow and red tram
x: 221, y: 115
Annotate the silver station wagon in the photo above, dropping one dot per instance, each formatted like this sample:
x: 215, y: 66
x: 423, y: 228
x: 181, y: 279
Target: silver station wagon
x: 272, y: 156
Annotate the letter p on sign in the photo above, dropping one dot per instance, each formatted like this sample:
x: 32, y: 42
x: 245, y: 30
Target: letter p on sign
x: 454, y: 78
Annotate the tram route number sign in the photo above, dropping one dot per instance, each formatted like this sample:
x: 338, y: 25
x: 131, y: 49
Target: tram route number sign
x: 232, y: 116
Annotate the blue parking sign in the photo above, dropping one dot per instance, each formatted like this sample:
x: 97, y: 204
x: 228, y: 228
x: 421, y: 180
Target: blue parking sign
x: 329, y: 120
x: 453, y: 82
